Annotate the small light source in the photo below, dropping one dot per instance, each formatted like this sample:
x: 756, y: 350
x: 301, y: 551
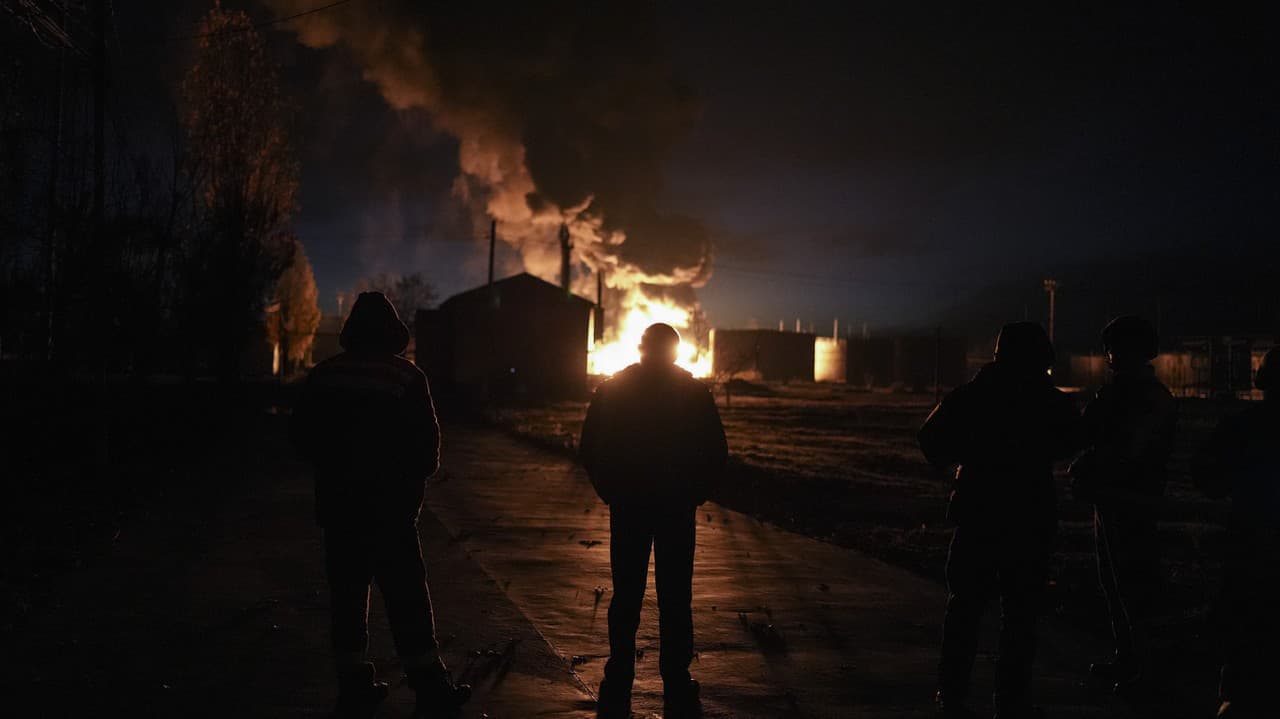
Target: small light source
x: 513, y: 370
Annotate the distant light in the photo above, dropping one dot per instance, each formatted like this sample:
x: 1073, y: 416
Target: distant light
x: 513, y: 370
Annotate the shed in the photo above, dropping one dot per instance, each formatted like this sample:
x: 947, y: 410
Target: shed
x: 519, y: 337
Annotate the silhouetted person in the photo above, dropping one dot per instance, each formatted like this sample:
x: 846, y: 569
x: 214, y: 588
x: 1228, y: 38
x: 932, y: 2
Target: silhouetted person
x: 1004, y: 430
x: 653, y: 445
x: 1242, y: 459
x: 1122, y: 473
x: 365, y: 419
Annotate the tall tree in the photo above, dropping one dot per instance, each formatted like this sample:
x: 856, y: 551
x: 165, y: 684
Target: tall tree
x: 294, y: 324
x: 246, y: 176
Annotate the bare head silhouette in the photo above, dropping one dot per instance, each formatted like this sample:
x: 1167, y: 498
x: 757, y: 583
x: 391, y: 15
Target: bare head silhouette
x: 658, y: 344
x: 1129, y: 341
x: 1024, y: 346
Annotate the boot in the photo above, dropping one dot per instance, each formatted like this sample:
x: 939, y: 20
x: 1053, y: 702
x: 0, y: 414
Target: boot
x: 438, y: 696
x: 682, y: 700
x: 359, y: 694
x: 615, y: 700
x: 952, y: 708
x: 359, y: 699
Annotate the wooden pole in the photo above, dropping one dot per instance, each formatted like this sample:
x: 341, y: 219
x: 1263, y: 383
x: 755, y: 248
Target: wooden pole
x: 493, y: 240
x: 937, y: 365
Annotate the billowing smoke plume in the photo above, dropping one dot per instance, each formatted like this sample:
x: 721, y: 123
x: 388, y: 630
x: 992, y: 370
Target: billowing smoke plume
x: 563, y: 112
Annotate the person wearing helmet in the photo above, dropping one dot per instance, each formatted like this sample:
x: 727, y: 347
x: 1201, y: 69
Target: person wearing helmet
x: 653, y: 447
x: 1131, y: 424
x: 366, y: 421
x: 1242, y: 460
x: 1002, y: 431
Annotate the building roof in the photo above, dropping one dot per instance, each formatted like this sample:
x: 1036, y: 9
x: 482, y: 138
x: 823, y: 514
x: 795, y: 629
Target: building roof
x: 521, y: 284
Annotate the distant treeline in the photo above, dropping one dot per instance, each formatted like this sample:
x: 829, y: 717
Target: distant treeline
x: 135, y: 250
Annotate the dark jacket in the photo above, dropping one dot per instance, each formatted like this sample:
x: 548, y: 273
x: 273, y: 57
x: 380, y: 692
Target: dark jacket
x: 1242, y: 459
x: 365, y: 420
x: 1131, y: 424
x: 1004, y: 429
x: 653, y: 438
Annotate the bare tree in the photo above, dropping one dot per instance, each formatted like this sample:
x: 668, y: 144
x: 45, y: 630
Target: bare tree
x: 246, y: 178
x: 728, y: 364
x: 409, y: 293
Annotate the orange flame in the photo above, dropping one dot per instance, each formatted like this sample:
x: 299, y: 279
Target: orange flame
x: 622, y: 349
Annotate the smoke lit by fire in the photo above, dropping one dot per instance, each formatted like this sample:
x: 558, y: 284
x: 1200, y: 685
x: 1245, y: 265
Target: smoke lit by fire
x: 562, y: 115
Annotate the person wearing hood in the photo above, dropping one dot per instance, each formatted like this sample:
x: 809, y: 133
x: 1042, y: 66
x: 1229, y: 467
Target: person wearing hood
x: 1242, y: 460
x: 1131, y: 424
x: 653, y: 447
x: 1002, y: 431
x: 365, y: 420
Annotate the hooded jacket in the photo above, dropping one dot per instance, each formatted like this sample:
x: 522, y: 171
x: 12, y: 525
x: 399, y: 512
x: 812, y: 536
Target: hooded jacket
x: 653, y: 438
x: 365, y: 419
x: 1004, y: 430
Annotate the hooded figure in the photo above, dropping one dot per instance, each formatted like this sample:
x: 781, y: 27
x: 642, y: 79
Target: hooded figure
x: 1242, y: 460
x: 366, y: 421
x: 1002, y: 431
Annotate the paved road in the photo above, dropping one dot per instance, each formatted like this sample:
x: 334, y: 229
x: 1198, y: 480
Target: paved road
x: 786, y: 626
x: 219, y: 609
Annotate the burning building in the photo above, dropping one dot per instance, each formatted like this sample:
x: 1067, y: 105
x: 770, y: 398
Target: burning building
x: 514, y: 338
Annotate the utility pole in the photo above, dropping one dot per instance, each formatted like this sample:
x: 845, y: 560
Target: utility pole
x: 599, y: 330
x: 937, y: 365
x: 493, y: 240
x: 1051, y: 286
x: 566, y: 247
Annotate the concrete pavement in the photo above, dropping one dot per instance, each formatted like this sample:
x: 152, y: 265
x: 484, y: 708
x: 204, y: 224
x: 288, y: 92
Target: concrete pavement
x: 786, y: 626
x: 219, y: 608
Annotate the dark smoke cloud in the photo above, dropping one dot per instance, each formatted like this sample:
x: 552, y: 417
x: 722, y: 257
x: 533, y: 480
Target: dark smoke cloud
x: 563, y: 112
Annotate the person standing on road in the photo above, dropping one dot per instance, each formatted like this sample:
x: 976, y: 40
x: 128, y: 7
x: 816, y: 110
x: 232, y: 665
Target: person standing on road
x: 1131, y: 425
x: 1003, y: 431
x: 366, y: 421
x: 653, y: 446
x: 1242, y: 459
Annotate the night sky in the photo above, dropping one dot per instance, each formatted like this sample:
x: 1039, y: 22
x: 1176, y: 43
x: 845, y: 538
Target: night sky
x: 889, y: 163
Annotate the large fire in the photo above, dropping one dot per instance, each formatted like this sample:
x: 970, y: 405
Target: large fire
x: 621, y: 347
